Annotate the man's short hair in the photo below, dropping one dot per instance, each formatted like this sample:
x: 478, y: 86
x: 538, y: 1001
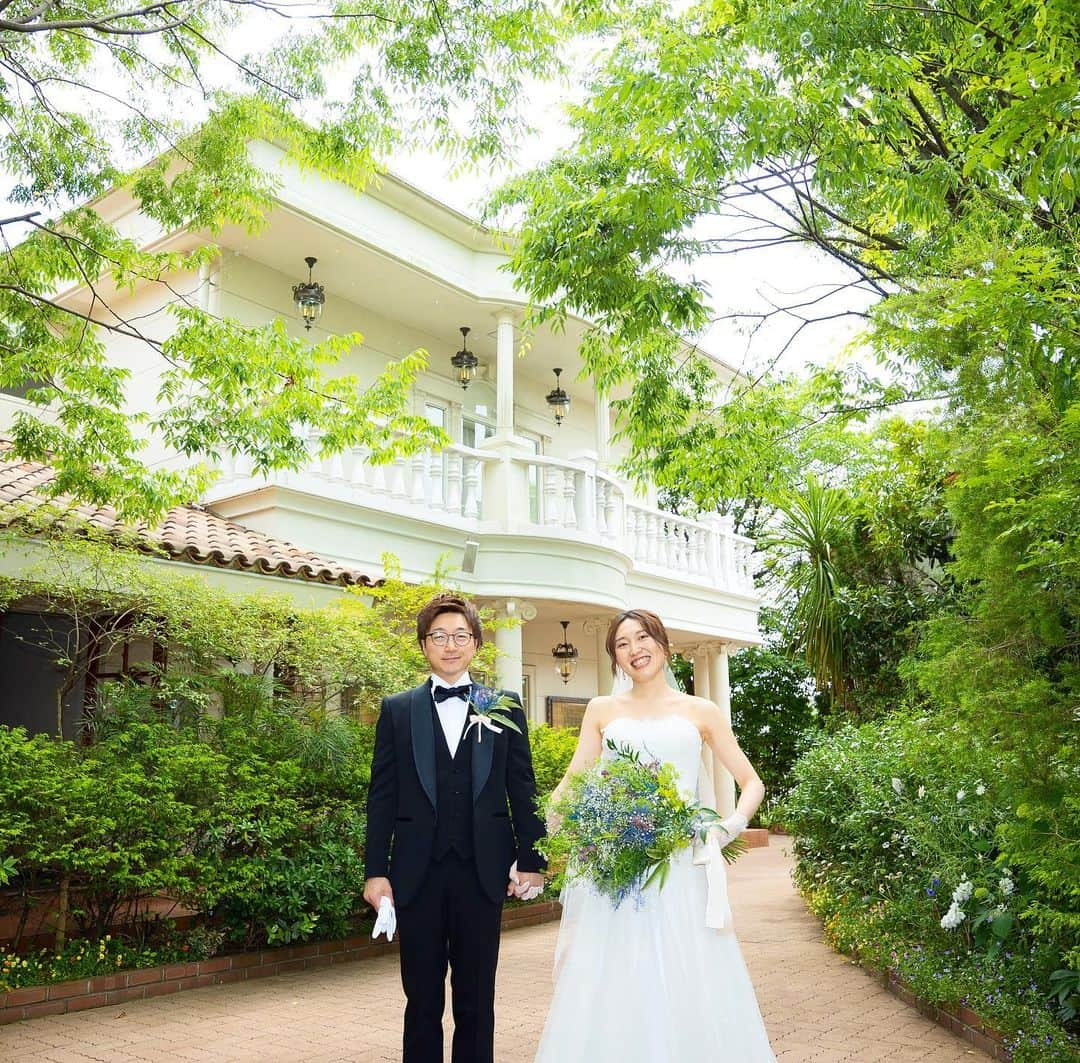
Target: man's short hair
x: 448, y: 603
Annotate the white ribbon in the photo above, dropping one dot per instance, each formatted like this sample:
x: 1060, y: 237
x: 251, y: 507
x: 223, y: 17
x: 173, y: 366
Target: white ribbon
x: 483, y: 721
x: 711, y: 852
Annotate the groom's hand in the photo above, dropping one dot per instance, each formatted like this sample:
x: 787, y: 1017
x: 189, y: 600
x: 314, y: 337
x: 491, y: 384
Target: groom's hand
x: 375, y: 889
x: 525, y: 885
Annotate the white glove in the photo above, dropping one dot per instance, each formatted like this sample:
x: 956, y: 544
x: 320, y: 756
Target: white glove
x: 386, y: 923
x: 522, y: 890
x: 732, y: 827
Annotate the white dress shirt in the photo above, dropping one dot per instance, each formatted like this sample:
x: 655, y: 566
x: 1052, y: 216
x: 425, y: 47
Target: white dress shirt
x: 452, y: 711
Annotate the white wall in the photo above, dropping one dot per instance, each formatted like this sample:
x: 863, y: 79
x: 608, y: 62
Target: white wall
x: 253, y: 293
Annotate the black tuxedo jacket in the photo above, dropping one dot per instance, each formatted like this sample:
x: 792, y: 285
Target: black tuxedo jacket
x: 401, y: 808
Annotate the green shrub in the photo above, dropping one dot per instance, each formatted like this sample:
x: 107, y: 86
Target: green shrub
x: 901, y: 831
x: 772, y: 710
x: 552, y: 750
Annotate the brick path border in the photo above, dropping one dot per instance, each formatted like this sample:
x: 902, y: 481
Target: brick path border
x: 33, y: 1002
x: 959, y: 1018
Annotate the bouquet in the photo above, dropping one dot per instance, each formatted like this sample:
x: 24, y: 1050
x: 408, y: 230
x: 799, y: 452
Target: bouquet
x: 623, y: 820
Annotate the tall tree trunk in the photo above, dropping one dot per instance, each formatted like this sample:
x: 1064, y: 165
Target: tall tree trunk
x: 62, y: 913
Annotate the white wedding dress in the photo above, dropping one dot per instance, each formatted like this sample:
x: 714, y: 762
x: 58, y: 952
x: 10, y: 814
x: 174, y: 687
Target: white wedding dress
x: 651, y: 983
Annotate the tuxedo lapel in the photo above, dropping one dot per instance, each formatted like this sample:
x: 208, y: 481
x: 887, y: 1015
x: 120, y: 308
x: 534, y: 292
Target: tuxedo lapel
x: 482, y: 752
x: 423, y: 739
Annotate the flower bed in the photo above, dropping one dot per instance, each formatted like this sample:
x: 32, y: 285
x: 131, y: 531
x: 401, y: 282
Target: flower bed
x: 898, y: 850
x: 120, y: 987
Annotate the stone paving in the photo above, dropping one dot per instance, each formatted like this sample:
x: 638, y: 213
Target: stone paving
x: 817, y: 1006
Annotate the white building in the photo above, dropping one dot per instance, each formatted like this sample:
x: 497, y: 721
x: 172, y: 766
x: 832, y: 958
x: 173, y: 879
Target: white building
x: 560, y: 537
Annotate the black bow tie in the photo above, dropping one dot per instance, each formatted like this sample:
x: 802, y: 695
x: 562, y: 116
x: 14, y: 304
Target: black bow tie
x: 444, y: 693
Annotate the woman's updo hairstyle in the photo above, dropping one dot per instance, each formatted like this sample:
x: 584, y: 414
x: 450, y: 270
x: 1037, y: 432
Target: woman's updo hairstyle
x: 649, y: 621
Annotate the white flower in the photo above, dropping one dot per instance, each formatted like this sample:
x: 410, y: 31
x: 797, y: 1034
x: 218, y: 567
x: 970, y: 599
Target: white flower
x: 884, y: 845
x: 953, y: 917
x: 922, y: 791
x: 1005, y: 884
x: 961, y: 794
x: 980, y: 789
x: 897, y: 786
x: 962, y: 892
x: 764, y: 729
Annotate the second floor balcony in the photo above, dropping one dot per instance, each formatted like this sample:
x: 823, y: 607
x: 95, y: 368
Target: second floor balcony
x: 502, y: 488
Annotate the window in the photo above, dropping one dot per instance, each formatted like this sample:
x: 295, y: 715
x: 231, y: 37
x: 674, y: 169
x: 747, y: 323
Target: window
x: 528, y: 674
x: 534, y: 476
x: 565, y: 712
x: 436, y: 414
x: 114, y: 656
x: 474, y: 432
x: 32, y: 645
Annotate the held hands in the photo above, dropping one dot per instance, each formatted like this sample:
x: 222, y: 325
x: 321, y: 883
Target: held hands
x: 525, y: 885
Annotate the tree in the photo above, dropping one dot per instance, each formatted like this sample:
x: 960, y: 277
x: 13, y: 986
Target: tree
x: 773, y: 713
x: 91, y: 93
x: 929, y: 149
x: 812, y: 523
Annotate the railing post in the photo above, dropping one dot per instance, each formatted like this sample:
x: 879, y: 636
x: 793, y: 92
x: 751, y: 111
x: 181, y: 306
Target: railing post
x: 552, y: 501
x: 506, y: 482
x: 435, y: 479
x: 587, y: 519
x: 453, y: 482
x: 418, y: 494
x: 471, y: 503
x: 569, y: 491
x: 615, y: 511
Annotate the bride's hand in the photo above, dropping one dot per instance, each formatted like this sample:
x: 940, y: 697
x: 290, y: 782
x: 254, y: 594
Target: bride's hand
x: 731, y: 828
x: 553, y: 821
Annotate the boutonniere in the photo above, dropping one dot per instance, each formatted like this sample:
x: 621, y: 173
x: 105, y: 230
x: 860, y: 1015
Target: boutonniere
x: 490, y: 709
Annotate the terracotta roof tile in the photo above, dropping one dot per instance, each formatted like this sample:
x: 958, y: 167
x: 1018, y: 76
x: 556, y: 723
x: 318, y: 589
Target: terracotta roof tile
x: 187, y: 533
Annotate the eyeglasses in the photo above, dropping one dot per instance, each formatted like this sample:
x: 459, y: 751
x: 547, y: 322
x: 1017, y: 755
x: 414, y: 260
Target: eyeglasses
x: 459, y: 638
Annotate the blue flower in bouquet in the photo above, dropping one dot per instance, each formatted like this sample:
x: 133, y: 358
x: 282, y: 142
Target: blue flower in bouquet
x: 490, y: 710
x: 622, y: 821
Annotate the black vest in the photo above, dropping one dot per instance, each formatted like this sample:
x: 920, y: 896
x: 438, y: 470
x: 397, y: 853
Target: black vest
x: 453, y: 792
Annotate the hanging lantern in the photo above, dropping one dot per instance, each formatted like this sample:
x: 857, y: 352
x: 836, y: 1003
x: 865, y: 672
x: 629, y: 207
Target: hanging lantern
x: 558, y: 400
x: 566, y: 656
x: 464, y: 362
x: 309, y: 297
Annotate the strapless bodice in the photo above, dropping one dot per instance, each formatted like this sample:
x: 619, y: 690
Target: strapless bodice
x: 669, y: 739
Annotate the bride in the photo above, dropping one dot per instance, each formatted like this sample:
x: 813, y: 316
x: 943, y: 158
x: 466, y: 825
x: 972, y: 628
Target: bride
x: 662, y: 981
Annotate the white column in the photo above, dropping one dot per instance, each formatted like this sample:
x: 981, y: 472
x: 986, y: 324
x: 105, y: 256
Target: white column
x: 701, y: 671
x: 603, y: 429
x: 504, y: 373
x: 508, y: 641
x: 604, y: 677
x: 720, y: 693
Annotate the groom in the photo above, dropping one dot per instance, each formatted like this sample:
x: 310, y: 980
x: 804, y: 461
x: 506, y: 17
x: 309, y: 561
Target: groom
x: 455, y: 802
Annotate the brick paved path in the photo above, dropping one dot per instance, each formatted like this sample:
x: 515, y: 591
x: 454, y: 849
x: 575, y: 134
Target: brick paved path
x: 817, y: 1006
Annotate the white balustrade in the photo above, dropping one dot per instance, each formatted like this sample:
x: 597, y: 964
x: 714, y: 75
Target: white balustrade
x: 564, y: 496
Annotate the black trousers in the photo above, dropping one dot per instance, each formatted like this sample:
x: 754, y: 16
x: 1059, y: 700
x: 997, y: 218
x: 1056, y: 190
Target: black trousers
x: 450, y: 920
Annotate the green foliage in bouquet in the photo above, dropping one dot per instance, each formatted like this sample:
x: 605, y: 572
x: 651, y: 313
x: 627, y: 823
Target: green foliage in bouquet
x: 622, y: 821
